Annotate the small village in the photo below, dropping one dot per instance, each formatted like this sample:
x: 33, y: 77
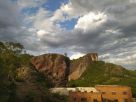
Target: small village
x: 99, y: 93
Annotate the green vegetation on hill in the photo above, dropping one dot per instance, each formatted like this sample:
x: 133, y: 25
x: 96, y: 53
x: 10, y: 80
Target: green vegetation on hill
x: 106, y: 74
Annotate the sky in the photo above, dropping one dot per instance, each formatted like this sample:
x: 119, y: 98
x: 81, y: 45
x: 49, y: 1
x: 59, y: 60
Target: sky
x: 75, y: 27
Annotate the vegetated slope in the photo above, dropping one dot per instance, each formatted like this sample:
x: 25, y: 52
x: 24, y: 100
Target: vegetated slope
x: 106, y: 73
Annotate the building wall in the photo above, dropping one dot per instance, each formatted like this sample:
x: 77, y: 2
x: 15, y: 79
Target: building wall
x: 65, y: 91
x: 105, y: 93
x: 90, y: 97
x: 115, y: 92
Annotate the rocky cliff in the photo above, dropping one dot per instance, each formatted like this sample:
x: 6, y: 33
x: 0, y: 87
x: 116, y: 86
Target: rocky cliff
x: 78, y: 66
x: 53, y: 66
x: 59, y: 68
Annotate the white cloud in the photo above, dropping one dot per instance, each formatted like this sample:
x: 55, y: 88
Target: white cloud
x: 91, y: 21
x: 104, y: 26
x: 127, y: 61
x: 41, y: 33
x: 104, y: 55
x: 68, y: 11
x: 132, y: 1
x: 45, y: 20
x: 77, y: 55
x: 58, y: 16
x: 100, y: 28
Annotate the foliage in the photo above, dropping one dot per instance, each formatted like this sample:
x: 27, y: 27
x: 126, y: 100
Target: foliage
x: 43, y: 81
x: 11, y: 58
x: 30, y: 97
x: 54, y: 98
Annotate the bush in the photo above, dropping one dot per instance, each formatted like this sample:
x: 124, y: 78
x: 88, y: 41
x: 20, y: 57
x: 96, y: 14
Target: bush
x: 30, y: 97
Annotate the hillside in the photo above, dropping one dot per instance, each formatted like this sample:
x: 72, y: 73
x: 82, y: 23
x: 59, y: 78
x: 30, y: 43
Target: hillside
x: 105, y: 73
x: 19, y: 80
x: 78, y: 66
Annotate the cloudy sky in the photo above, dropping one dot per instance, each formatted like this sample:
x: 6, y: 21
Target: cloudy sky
x: 77, y: 27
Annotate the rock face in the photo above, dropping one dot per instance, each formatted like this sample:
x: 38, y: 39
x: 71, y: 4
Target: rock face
x: 78, y: 66
x: 53, y: 66
x: 59, y: 69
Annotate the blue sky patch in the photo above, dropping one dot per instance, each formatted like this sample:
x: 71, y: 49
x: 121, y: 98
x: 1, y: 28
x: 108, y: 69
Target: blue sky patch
x: 69, y: 24
x: 53, y: 5
x: 29, y: 11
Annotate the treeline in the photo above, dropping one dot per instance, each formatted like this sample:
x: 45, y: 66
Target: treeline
x: 12, y: 57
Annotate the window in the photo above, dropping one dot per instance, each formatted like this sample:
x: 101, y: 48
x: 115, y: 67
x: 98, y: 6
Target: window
x: 83, y: 100
x: 74, y: 99
x: 95, y: 100
x: 115, y: 100
x: 124, y: 93
x: 57, y: 73
x: 113, y: 93
x: 110, y: 100
x: 125, y: 100
x: 104, y: 100
x: 103, y: 92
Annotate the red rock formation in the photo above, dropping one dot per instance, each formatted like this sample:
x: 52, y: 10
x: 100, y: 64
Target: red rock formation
x: 56, y: 67
x: 53, y: 66
x: 78, y: 66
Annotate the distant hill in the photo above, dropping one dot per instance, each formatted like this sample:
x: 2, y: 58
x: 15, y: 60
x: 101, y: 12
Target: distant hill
x: 99, y: 72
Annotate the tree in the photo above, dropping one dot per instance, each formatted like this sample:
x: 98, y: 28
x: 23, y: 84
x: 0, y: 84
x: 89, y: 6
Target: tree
x: 14, y: 47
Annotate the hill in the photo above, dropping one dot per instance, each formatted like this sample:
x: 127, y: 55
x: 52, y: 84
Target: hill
x: 99, y: 72
x: 19, y: 81
x: 78, y: 66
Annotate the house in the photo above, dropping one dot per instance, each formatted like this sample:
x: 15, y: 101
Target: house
x: 99, y: 93
x: 66, y: 91
x: 104, y: 93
